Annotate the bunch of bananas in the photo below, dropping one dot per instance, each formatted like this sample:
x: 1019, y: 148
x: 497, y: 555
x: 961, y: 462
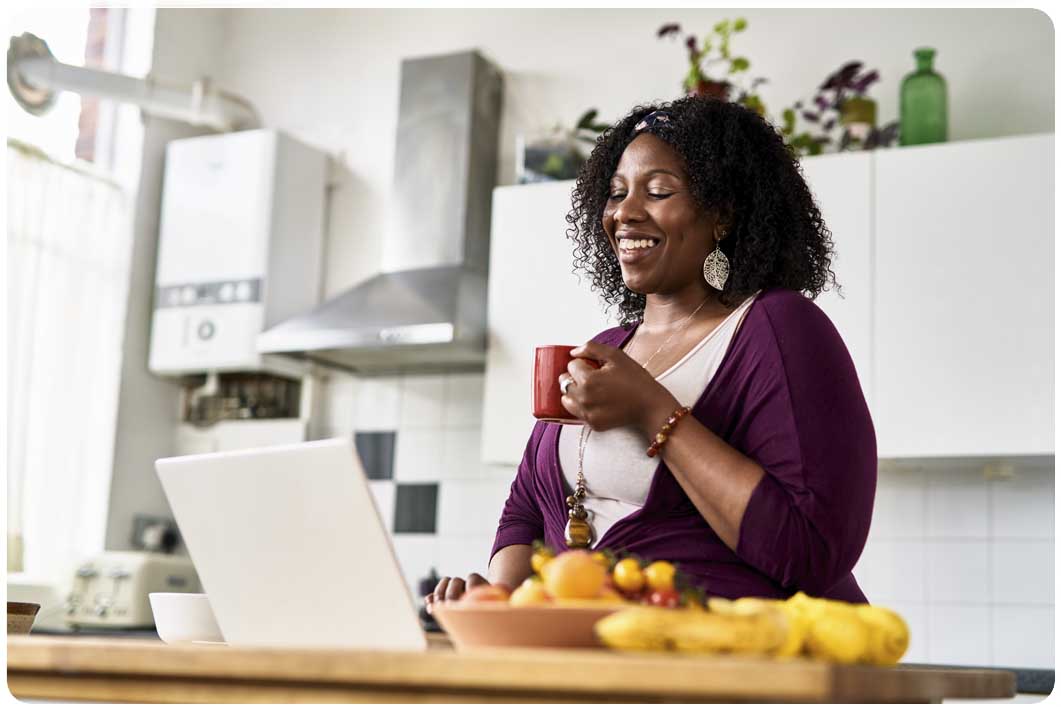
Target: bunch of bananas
x: 801, y: 625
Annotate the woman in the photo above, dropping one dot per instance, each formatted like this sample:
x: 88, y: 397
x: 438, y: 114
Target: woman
x: 693, y: 217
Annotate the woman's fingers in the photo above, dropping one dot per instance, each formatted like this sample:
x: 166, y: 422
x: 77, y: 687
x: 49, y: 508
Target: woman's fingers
x: 455, y: 589
x: 440, y: 589
x: 452, y: 588
x: 579, y: 368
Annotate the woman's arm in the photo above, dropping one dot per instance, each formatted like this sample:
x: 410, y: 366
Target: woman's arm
x: 511, y: 565
x: 717, y: 478
x: 521, y: 524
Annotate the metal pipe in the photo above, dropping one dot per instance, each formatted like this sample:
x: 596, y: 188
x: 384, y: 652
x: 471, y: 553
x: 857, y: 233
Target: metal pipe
x: 200, y: 104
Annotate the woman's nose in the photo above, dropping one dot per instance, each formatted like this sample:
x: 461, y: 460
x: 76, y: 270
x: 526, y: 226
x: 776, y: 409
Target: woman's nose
x: 630, y: 210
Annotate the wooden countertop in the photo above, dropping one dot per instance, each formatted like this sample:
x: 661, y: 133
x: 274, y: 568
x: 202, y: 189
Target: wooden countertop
x: 116, y: 670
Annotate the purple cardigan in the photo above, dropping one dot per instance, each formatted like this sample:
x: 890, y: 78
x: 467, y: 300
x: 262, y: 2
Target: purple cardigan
x: 787, y: 396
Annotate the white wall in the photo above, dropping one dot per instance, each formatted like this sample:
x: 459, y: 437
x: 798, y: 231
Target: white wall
x: 186, y: 47
x: 331, y: 76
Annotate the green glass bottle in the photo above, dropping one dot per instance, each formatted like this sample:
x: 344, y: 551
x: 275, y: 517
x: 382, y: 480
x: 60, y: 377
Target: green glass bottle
x: 923, y: 103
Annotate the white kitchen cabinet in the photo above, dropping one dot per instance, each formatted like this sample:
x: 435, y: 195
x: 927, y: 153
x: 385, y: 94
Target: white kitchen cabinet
x: 964, y: 298
x: 945, y: 258
x: 842, y: 186
x: 534, y: 299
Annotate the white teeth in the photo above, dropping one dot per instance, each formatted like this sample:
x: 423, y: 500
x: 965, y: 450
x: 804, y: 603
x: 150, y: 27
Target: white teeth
x: 630, y: 244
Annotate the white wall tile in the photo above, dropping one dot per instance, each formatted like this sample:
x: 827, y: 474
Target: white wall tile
x: 957, y: 571
x: 470, y: 507
x: 1023, y: 507
x: 462, y: 453
x: 1022, y: 571
x: 417, y: 554
x: 423, y: 401
x: 418, y: 455
x: 1023, y: 636
x: 383, y: 492
x: 379, y: 402
x: 899, y: 506
x: 338, y: 401
x: 959, y: 635
x: 892, y: 570
x: 957, y: 505
x: 460, y: 556
x: 464, y: 400
x: 916, y: 616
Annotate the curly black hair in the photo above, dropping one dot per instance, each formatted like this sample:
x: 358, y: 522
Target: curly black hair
x: 739, y: 165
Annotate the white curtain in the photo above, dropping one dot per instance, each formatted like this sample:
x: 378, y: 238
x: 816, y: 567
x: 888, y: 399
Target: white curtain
x: 69, y: 236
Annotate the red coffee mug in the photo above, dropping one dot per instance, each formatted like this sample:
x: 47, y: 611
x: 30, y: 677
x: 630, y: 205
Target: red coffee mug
x: 549, y: 363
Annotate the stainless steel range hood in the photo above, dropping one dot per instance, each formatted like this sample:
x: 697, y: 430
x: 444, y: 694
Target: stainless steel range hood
x: 427, y: 311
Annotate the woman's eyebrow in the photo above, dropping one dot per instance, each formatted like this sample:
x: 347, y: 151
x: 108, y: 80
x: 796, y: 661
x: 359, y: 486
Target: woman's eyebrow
x: 660, y: 170
x: 651, y: 173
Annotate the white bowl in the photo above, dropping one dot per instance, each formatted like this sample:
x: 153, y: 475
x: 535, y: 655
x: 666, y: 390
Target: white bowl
x: 184, y: 618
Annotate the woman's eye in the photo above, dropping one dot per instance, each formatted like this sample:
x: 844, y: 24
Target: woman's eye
x: 660, y: 195
x: 616, y: 195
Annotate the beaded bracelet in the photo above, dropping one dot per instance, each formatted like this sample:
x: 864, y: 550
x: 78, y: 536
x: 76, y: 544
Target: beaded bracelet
x: 664, y: 432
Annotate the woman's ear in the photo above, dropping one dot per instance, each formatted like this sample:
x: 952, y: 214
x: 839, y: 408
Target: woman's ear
x: 723, y: 223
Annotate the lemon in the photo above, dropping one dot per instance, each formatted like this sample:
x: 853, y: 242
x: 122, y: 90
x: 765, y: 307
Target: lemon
x: 838, y: 634
x: 889, y: 635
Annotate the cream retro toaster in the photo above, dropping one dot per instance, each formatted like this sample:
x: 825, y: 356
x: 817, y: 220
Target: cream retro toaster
x: 110, y: 590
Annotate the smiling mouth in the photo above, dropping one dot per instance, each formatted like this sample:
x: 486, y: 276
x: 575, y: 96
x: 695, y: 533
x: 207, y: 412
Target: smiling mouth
x: 637, y: 245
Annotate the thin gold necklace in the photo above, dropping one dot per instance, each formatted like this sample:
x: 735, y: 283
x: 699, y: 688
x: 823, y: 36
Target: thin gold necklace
x: 579, y: 533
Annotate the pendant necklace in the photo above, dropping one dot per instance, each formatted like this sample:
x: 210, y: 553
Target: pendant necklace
x: 578, y: 534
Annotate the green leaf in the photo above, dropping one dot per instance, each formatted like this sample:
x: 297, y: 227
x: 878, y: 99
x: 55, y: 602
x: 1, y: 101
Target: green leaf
x: 722, y: 27
x: 789, y: 116
x: 587, y: 119
x: 739, y: 64
x: 692, y: 78
x: 707, y: 46
x: 740, y: 24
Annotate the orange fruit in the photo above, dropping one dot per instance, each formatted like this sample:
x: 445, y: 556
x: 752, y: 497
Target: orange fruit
x: 601, y: 558
x: 574, y: 575
x: 627, y: 575
x: 660, y: 576
x: 530, y: 593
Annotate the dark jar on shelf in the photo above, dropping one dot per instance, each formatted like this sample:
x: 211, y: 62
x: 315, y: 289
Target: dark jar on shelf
x: 923, y: 103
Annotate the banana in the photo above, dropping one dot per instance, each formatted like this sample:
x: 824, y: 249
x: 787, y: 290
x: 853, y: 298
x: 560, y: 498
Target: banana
x: 642, y: 628
x: 824, y: 629
x: 796, y: 636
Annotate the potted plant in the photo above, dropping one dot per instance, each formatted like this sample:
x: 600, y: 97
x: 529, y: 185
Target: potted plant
x: 713, y: 70
x: 841, y: 102
x: 555, y: 154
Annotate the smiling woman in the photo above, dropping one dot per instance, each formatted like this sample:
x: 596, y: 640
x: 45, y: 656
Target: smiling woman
x: 725, y: 429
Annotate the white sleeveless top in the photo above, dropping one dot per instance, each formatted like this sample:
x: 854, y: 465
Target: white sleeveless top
x: 617, y: 470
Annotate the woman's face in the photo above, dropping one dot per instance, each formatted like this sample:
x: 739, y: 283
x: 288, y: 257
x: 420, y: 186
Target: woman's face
x: 654, y: 225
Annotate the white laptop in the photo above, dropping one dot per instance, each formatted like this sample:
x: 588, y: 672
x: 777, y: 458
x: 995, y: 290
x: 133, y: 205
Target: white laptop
x: 290, y: 547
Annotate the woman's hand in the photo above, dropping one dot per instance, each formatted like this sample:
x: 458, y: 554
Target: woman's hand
x: 617, y: 394
x: 452, y: 589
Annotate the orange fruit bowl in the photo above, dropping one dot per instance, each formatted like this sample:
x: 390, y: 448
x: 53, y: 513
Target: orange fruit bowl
x: 497, y: 624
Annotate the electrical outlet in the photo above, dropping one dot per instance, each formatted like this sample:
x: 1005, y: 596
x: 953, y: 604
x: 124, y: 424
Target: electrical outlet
x: 154, y: 533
